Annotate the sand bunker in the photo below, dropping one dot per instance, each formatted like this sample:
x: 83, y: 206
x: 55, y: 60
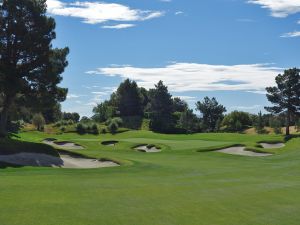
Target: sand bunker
x: 272, y: 145
x: 109, y: 143
x: 44, y: 160
x: 147, y: 148
x: 63, y: 144
x: 242, y: 151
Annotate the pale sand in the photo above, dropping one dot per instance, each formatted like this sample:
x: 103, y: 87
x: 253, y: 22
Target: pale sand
x: 44, y: 160
x: 63, y: 145
x: 241, y: 151
x: 144, y: 148
x: 274, y: 145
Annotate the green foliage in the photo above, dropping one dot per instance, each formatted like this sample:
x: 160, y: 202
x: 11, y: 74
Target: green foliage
x: 74, y: 117
x: 259, y: 124
x: 211, y: 112
x: 276, y: 124
x: 298, y: 125
x: 129, y: 99
x: 161, y: 109
x: 103, y: 111
x: 237, y: 121
x: 188, y: 121
x: 113, y: 127
x: 30, y: 67
x: 87, y: 128
x: 114, y: 124
x: 286, y: 95
x: 38, y: 121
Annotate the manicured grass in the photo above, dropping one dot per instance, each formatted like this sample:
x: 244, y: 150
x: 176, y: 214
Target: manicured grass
x: 182, y: 185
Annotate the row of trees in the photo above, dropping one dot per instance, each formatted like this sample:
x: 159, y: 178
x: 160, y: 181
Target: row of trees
x: 168, y: 114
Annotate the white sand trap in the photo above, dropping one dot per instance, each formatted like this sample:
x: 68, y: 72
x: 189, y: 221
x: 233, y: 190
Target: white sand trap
x: 270, y: 145
x: 145, y: 148
x: 44, y: 160
x: 242, y: 151
x: 63, y: 144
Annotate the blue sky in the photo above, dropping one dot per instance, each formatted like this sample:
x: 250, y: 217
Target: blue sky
x: 230, y: 49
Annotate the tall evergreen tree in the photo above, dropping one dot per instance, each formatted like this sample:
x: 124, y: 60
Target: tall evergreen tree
x: 211, y: 111
x: 161, y: 109
x: 129, y: 99
x: 29, y: 67
x: 286, y: 95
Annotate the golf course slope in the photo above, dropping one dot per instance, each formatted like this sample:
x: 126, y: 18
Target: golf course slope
x: 187, y: 183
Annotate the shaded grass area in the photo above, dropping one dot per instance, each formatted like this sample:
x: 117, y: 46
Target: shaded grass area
x: 178, y: 186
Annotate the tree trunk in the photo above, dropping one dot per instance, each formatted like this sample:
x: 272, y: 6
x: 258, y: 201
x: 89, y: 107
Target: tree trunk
x: 4, y: 116
x: 3, y: 121
x: 288, y: 121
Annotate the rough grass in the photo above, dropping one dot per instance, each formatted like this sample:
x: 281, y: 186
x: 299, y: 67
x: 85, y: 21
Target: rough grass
x: 178, y: 186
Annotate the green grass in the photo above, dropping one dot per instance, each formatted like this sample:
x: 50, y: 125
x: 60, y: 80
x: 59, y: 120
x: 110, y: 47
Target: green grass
x: 182, y: 185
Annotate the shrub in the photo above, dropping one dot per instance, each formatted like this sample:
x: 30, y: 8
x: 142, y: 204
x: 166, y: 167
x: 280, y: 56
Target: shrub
x: 38, y: 121
x: 81, y: 129
x: 95, y: 129
x: 103, y: 131
x: 236, y: 121
x: 276, y: 125
x: 298, y: 125
x: 113, y: 127
x: 63, y: 129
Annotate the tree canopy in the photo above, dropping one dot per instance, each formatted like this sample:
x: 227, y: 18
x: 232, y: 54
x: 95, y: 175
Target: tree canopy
x: 212, y: 113
x: 286, y: 95
x: 29, y: 67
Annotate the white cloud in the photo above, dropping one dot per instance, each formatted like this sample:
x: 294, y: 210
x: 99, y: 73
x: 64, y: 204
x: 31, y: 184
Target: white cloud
x: 100, y: 12
x: 291, y: 34
x: 279, y: 8
x: 119, y: 26
x: 246, y: 107
x: 182, y: 77
x: 179, y: 13
x: 186, y: 98
x: 72, y: 96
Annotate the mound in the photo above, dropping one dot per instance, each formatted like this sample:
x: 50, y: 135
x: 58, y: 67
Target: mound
x: 109, y: 143
x: 272, y: 145
x: 62, y: 144
x: 148, y: 148
x: 242, y: 151
x: 64, y: 161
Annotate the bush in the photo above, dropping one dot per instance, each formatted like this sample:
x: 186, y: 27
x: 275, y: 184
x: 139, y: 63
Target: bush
x: 38, y: 121
x: 298, y: 125
x: 236, y: 121
x: 113, y: 127
x: 94, y: 129
x: 103, y: 131
x: 80, y: 128
x: 276, y: 125
x: 63, y: 129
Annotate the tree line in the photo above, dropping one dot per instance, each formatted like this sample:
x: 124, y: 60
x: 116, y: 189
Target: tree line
x: 30, y: 74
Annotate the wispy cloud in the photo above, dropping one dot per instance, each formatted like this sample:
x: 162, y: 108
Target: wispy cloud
x: 179, y: 13
x: 182, y: 77
x: 72, y: 96
x: 101, y: 12
x: 119, y: 26
x: 291, y: 34
x: 279, y: 8
x: 246, y: 107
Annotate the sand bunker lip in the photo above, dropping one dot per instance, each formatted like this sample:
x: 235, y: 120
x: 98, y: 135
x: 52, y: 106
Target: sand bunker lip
x: 241, y: 151
x: 148, y: 148
x: 109, y: 143
x: 62, y: 144
x: 64, y: 161
x: 272, y: 145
